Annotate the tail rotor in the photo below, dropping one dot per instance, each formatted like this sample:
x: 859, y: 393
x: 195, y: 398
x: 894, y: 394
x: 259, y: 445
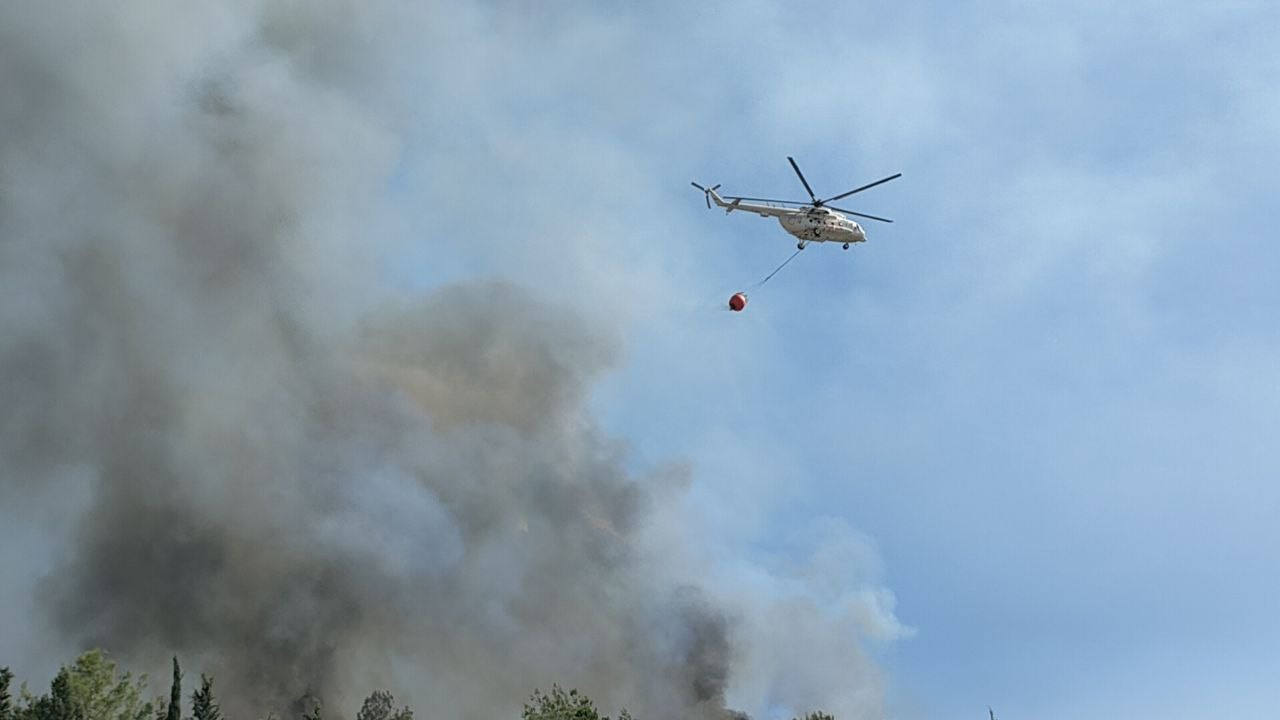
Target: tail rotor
x: 706, y: 192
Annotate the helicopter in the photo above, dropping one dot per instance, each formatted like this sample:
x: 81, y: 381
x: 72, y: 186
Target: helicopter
x: 813, y: 221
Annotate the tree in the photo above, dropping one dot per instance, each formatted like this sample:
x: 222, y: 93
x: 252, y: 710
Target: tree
x: 203, y: 706
x: 381, y: 705
x: 377, y: 706
x: 89, y: 690
x: 817, y: 716
x: 561, y: 705
x: 175, y: 694
x: 6, y: 700
x: 57, y: 705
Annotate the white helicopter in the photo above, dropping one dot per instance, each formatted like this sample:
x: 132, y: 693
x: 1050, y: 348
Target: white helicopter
x: 813, y: 221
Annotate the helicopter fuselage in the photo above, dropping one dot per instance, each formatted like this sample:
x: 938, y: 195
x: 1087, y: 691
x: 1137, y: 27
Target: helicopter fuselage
x: 822, y: 225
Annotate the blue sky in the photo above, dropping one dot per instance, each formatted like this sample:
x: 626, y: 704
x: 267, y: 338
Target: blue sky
x: 1044, y: 400
x: 1017, y: 450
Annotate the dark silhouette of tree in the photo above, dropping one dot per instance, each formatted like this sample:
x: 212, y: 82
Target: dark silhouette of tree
x: 175, y: 694
x: 6, y: 700
x: 816, y: 716
x: 381, y: 705
x: 378, y: 706
x: 203, y: 706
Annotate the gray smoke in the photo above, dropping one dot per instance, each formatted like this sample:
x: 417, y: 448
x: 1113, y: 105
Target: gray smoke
x: 296, y: 483
x: 299, y: 480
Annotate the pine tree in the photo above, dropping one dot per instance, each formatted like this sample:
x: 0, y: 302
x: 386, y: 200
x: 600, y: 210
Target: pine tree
x: 175, y: 694
x: 89, y: 689
x: 381, y: 705
x: 378, y: 706
x: 6, y: 701
x: 560, y: 705
x: 62, y: 706
x: 58, y: 704
x: 203, y: 706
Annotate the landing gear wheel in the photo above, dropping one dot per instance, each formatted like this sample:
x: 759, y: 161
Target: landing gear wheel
x: 799, y: 246
x: 846, y: 246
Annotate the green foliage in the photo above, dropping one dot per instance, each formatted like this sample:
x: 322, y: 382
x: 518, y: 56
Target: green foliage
x: 203, y: 706
x: 381, y: 705
x: 6, y: 700
x: 175, y: 694
x: 92, y: 689
x: 816, y: 716
x: 561, y: 705
x: 57, y: 705
x: 89, y: 690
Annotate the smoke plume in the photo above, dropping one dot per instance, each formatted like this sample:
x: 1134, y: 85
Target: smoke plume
x: 300, y: 481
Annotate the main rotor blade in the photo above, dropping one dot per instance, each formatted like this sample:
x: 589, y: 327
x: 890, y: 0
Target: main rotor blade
x: 788, y: 202
x: 796, y: 167
x: 864, y: 187
x: 861, y: 215
x: 698, y: 186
